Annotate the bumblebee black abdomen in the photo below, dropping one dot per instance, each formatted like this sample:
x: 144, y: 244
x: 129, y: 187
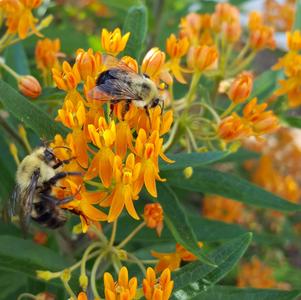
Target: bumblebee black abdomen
x: 103, y: 77
x: 51, y: 217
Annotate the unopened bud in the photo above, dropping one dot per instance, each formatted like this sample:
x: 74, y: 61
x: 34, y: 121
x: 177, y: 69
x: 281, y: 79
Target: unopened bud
x: 66, y: 275
x: 45, y: 275
x: 29, y: 86
x: 46, y: 21
x: 188, y: 172
x: 83, y: 281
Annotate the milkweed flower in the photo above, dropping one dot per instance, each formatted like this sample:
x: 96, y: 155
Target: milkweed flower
x: 113, y: 42
x: 122, y: 289
x: 82, y: 296
x: 157, y: 289
x: 29, y: 86
x: 262, y: 37
x: 241, y: 88
x: 153, y: 216
x: 88, y: 63
x: 294, y: 40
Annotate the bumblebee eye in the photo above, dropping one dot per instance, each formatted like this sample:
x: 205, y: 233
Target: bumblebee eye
x: 49, y: 156
x: 155, y: 102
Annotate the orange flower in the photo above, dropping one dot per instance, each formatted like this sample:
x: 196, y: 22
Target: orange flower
x: 255, y: 20
x: 88, y: 64
x: 222, y: 209
x: 241, y: 88
x: 122, y: 289
x: 46, y: 54
x: 40, y: 238
x: 176, y: 49
x: 82, y: 296
x: 191, y: 27
x: 234, y: 128
x: 262, y: 37
x: 171, y: 261
x: 153, y: 216
x: 294, y: 40
x: 203, y: 58
x: 185, y: 254
x: 68, y: 78
x: 29, y: 86
x: 262, y: 121
x: 255, y: 274
x: 113, y: 42
x: 153, y: 65
x: 19, y: 17
x: 157, y: 289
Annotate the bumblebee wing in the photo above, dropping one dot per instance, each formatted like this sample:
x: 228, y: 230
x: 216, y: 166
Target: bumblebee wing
x: 14, y: 202
x: 112, y: 62
x: 26, y: 200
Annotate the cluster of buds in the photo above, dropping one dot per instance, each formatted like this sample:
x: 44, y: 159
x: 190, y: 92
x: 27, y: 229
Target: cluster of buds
x: 118, y: 153
x: 255, y: 120
x: 290, y: 63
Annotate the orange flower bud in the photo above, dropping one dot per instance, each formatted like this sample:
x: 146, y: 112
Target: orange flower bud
x: 40, y: 238
x: 87, y: 63
x: 153, y: 216
x: 29, y: 86
x: 241, y: 88
x: 113, y: 42
x: 203, y: 58
x: 294, y: 40
x: 82, y: 296
x: 255, y: 20
x: 262, y: 37
x: 176, y: 48
x: 153, y: 62
x: 233, y: 128
x: 232, y: 32
x: 45, y: 296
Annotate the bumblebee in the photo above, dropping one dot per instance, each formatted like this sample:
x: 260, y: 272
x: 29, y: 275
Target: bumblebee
x: 122, y: 83
x: 32, y: 199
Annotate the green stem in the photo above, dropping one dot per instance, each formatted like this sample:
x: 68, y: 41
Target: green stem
x: 193, y: 87
x: 26, y: 295
x: 212, y: 111
x: 9, y: 70
x: 228, y: 110
x: 192, y: 139
x: 93, y: 274
x: 137, y: 261
x: 172, y: 136
x: 131, y: 235
x: 69, y: 290
x: 243, y: 65
x: 113, y: 235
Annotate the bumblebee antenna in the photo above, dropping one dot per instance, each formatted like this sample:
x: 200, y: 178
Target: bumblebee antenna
x: 63, y: 147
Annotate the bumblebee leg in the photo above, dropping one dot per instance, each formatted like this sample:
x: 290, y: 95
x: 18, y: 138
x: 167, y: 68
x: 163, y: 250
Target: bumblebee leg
x: 62, y: 162
x: 55, y: 201
x: 59, y: 176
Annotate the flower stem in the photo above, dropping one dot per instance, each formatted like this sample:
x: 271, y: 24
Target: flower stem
x: 171, y: 138
x: 69, y: 290
x: 113, y: 234
x: 93, y: 274
x: 137, y: 261
x: 26, y: 295
x: 8, y: 69
x: 131, y: 235
x: 228, y: 110
x: 212, y: 111
x: 193, y: 87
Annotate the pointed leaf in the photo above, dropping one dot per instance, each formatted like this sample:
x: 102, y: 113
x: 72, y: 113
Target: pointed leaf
x: 211, y: 181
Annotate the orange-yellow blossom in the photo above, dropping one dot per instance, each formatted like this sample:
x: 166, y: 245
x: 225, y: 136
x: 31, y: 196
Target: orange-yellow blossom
x: 125, y: 190
x: 88, y: 63
x: 185, y: 254
x: 294, y: 40
x: 262, y: 37
x: 203, y: 58
x: 123, y: 289
x: 262, y: 121
x: 153, y: 216
x: 19, y: 17
x: 29, y: 86
x: 234, y: 128
x: 190, y: 27
x: 67, y: 78
x: 157, y: 289
x: 82, y: 296
x: 241, y: 87
x: 255, y: 20
x: 176, y: 49
x: 113, y: 42
x: 153, y: 65
x: 46, y: 54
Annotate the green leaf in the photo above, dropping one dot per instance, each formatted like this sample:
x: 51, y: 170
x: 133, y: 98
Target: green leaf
x: 25, y: 256
x: 136, y: 24
x: 183, y: 160
x: 178, y: 223
x: 297, y: 23
x: 28, y: 113
x: 123, y: 5
x: 233, y: 293
x: 197, y: 274
x: 15, y: 57
x: 211, y: 181
x: 291, y: 121
x: 10, y: 283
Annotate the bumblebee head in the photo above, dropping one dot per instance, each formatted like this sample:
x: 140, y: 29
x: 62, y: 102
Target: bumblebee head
x: 49, y: 156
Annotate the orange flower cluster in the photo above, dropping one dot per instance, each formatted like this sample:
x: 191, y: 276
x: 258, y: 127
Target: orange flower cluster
x: 117, y: 152
x: 280, y: 14
x: 172, y: 260
x: 153, y: 217
x: 18, y: 16
x: 222, y: 209
x: 290, y: 63
x: 47, y: 53
x: 255, y: 274
x: 255, y: 121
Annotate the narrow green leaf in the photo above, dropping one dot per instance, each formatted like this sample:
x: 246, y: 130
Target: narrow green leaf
x: 297, y: 22
x: 291, y: 121
x: 136, y: 24
x: 197, y: 274
x: 211, y: 181
x: 122, y: 5
x: 28, y: 113
x: 178, y: 223
x: 183, y: 160
x: 233, y: 293
x: 25, y: 256
x: 10, y: 283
